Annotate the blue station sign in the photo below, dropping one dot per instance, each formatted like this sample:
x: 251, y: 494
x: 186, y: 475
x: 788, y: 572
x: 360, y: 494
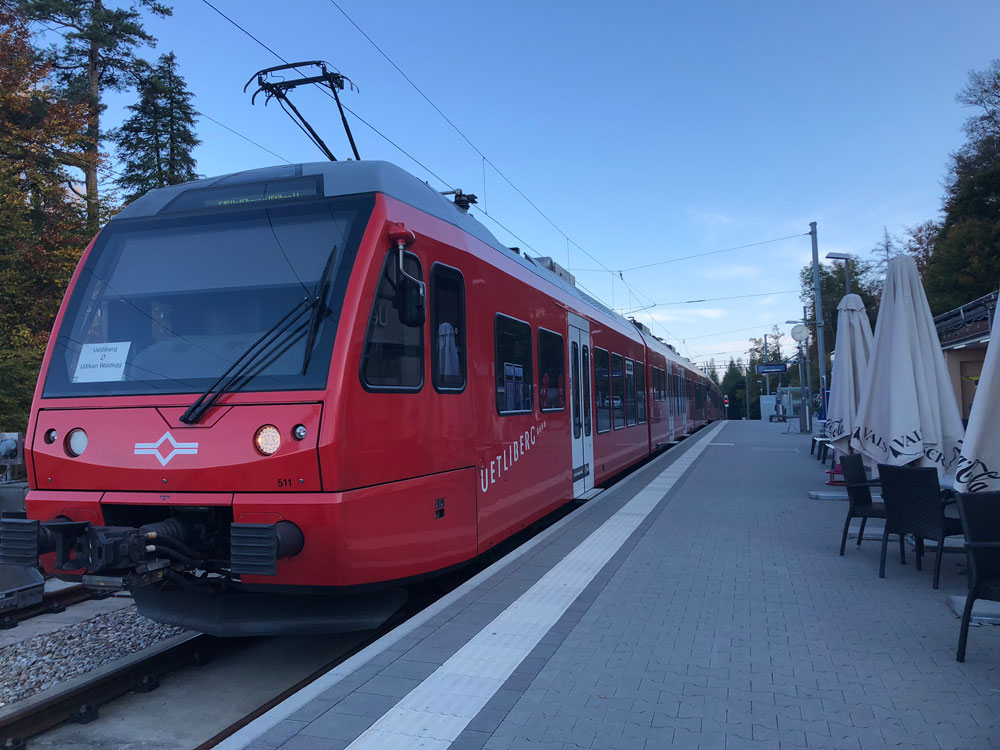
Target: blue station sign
x: 771, y: 367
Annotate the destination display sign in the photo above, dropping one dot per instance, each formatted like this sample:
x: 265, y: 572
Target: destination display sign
x: 771, y: 368
x: 248, y: 193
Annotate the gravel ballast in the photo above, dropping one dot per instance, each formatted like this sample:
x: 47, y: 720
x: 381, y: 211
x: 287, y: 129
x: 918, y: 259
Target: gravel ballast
x: 44, y: 661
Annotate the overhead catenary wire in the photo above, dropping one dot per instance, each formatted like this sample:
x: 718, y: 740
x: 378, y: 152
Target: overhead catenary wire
x: 735, y: 330
x: 245, y: 138
x: 715, y: 252
x: 718, y: 299
x: 485, y: 159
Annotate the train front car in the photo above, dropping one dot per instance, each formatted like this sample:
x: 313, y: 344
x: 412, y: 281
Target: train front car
x: 175, y: 441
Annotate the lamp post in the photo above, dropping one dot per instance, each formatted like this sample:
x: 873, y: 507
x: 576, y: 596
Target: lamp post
x: 847, y: 268
x: 801, y: 335
x: 820, y: 344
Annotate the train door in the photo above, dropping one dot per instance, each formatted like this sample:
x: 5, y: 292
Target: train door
x: 684, y: 402
x: 668, y: 395
x: 580, y: 354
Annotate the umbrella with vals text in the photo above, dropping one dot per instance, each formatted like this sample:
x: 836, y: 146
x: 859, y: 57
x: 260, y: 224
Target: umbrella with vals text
x: 908, y: 413
x: 853, y: 349
x: 978, y: 468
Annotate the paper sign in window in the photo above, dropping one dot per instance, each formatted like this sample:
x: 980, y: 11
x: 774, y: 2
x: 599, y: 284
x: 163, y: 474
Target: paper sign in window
x: 100, y: 363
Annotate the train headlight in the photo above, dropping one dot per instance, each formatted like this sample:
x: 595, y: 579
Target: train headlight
x: 76, y: 442
x: 299, y: 432
x: 267, y: 439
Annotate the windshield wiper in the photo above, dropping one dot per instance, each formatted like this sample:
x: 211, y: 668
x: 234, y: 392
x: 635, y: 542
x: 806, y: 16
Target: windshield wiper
x: 320, y: 308
x: 253, y: 353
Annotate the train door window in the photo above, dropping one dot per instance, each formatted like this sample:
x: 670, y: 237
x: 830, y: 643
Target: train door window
x: 602, y: 389
x: 447, y: 304
x: 551, y: 371
x: 661, y: 384
x: 586, y: 390
x: 577, y: 411
x: 393, y: 356
x: 512, y: 339
x: 640, y: 392
x: 629, y: 392
x: 618, y: 390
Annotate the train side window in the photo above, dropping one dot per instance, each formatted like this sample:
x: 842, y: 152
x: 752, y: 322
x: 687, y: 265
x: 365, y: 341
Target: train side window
x: 640, y: 392
x: 586, y: 390
x: 551, y: 371
x: 393, y: 358
x: 629, y: 392
x: 602, y: 390
x: 512, y: 346
x: 661, y: 385
x: 448, y: 359
x: 618, y: 390
x: 574, y: 360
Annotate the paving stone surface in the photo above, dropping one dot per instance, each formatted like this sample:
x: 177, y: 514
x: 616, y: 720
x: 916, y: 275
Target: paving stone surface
x: 727, y: 620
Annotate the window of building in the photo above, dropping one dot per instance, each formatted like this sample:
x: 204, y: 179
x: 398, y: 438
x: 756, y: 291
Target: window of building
x: 448, y: 366
x: 640, y: 392
x: 551, y: 371
x: 512, y: 340
x: 602, y: 390
x: 393, y: 356
x: 629, y: 392
x: 618, y: 390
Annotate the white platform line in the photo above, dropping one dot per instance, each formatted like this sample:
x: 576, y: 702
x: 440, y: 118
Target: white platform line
x: 435, y: 712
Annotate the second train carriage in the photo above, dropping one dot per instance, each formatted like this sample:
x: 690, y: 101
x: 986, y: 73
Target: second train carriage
x: 270, y: 394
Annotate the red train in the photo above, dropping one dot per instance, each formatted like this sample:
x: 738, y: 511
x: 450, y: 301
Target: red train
x: 271, y: 398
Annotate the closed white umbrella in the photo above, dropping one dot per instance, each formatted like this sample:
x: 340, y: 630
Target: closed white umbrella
x: 853, y: 349
x: 979, y: 465
x: 908, y: 413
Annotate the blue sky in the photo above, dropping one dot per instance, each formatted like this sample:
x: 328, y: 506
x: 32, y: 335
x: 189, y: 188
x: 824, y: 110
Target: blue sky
x: 645, y: 131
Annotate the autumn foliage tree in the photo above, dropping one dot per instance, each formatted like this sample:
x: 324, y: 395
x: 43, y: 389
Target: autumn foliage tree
x: 42, y: 224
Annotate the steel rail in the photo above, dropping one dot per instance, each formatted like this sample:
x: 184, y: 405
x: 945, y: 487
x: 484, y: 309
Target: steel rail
x: 78, y: 698
x: 52, y: 602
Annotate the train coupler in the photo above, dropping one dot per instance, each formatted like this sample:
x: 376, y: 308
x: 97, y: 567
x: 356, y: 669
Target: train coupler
x: 145, y: 574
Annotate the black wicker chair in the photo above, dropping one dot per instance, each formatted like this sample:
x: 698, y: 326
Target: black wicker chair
x: 858, y: 495
x: 913, y: 505
x: 980, y: 514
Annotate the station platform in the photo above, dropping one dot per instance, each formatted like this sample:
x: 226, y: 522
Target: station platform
x: 699, y: 603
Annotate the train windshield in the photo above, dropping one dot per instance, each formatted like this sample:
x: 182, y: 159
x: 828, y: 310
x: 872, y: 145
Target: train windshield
x: 168, y: 305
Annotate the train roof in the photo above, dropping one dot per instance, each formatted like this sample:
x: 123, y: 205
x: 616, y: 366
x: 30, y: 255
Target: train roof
x: 356, y: 177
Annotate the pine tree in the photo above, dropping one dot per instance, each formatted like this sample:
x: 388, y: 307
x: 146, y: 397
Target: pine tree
x: 99, y: 54
x: 156, y: 142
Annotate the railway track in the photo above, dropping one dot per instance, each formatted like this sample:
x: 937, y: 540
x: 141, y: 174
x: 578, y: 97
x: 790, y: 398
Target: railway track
x: 78, y: 699
x: 52, y: 602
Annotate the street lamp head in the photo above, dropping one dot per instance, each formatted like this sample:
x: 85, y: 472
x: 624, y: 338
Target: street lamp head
x: 839, y: 256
